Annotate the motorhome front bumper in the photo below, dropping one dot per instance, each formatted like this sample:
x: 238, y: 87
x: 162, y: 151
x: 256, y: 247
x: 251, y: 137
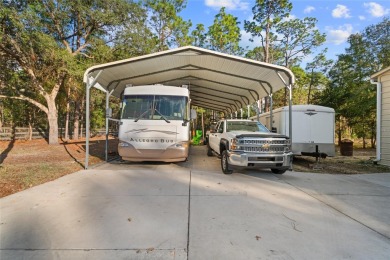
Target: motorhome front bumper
x: 260, y: 160
x: 177, y: 152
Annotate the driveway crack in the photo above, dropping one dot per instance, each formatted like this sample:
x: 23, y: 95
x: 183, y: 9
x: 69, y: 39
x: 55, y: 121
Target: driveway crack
x: 336, y: 209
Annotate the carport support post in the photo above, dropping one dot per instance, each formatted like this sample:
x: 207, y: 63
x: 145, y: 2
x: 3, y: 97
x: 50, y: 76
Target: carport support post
x: 108, y: 94
x: 289, y: 107
x: 271, y: 114
x: 87, y: 114
x: 290, y: 112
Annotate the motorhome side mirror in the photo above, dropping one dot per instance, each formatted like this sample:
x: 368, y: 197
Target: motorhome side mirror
x: 193, y: 114
x: 109, y: 112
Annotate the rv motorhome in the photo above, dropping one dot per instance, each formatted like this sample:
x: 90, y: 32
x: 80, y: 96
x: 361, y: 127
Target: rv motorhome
x: 154, y: 123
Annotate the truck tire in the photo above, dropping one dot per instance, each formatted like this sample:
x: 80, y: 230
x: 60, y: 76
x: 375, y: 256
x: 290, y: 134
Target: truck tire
x: 209, y: 151
x: 225, y: 163
x: 278, y: 171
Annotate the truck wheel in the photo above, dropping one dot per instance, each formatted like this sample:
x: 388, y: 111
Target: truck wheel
x: 224, y: 163
x: 209, y: 151
x: 278, y: 171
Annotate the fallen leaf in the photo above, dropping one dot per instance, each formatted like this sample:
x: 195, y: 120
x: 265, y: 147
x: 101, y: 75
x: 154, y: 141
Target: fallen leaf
x: 258, y: 237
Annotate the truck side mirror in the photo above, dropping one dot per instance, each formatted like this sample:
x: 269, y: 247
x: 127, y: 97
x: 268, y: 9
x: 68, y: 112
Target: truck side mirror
x: 193, y: 114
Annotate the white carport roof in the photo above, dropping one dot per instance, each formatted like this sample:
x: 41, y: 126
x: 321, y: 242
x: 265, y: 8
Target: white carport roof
x: 217, y: 81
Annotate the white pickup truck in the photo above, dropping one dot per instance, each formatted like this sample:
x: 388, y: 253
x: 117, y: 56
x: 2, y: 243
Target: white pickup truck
x: 246, y: 143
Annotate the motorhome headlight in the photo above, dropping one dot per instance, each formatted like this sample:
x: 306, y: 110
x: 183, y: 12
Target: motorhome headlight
x: 234, y: 144
x: 124, y: 144
x: 180, y: 145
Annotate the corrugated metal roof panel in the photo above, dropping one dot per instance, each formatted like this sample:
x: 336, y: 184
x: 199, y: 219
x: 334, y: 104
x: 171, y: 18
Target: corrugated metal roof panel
x: 220, y: 76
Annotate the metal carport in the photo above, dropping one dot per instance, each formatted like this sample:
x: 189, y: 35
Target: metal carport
x: 217, y: 81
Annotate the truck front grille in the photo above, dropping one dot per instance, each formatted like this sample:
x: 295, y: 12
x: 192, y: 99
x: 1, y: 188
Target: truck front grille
x: 262, y: 141
x: 268, y: 145
x: 278, y: 149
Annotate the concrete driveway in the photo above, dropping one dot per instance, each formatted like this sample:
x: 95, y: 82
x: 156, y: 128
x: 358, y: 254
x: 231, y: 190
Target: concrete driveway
x: 192, y: 211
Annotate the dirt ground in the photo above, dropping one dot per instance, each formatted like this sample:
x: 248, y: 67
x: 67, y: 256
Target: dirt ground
x: 24, y: 164
x: 362, y: 161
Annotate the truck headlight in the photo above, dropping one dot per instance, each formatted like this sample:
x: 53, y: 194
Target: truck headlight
x: 234, y: 144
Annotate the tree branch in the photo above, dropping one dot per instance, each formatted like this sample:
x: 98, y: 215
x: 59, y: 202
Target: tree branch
x: 19, y: 57
x: 37, y: 104
x: 57, y: 27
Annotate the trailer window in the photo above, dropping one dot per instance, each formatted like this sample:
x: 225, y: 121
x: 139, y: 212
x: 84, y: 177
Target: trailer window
x: 153, y: 107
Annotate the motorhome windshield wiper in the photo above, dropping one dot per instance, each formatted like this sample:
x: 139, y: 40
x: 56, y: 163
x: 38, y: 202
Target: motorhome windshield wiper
x: 138, y: 118
x: 163, y: 117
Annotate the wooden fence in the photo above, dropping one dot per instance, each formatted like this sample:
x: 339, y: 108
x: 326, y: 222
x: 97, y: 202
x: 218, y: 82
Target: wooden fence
x: 23, y: 133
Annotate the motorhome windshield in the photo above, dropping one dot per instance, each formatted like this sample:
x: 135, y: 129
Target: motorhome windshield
x: 154, y: 107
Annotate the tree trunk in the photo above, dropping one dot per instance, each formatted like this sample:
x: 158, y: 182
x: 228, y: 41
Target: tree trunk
x: 340, y: 131
x: 82, y: 116
x: 267, y: 40
x: 76, y: 121
x: 285, y: 97
x: 30, y: 127
x: 66, y: 137
x: 52, y: 116
x: 364, y: 137
x: 311, y: 83
x: 30, y: 131
x: 1, y: 119
x: 67, y: 116
x: 266, y: 105
x: 13, y: 131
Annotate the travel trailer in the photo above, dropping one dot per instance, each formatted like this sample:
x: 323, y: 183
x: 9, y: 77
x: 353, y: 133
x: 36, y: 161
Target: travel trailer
x: 311, y: 126
x: 154, y: 123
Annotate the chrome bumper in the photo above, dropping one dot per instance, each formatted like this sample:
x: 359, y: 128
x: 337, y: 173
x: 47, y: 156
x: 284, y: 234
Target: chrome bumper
x: 265, y: 160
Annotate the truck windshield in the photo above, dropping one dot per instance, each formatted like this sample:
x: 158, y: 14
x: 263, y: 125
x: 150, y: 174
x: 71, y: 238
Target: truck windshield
x: 246, y: 126
x: 154, y: 107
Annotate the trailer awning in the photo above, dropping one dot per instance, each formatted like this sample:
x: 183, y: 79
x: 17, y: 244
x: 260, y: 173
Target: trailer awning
x: 216, y: 80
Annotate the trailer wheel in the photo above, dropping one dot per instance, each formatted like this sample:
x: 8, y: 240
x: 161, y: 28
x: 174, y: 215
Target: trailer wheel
x: 278, y: 171
x: 209, y: 151
x: 225, y: 163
